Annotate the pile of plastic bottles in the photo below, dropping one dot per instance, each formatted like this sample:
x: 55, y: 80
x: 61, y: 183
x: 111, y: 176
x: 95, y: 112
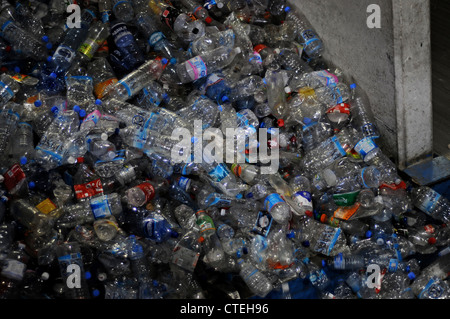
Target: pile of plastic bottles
x: 95, y: 204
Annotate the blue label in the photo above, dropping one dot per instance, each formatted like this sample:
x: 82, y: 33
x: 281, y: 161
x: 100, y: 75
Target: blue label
x: 272, y: 200
x: 338, y: 145
x: 365, y: 146
x: 100, y: 207
x: 219, y: 172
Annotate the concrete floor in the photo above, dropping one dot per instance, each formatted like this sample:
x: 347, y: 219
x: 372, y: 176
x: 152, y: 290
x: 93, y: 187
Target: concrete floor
x: 440, y: 54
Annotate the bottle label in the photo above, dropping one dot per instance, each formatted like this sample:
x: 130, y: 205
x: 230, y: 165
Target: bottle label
x: 393, y: 265
x: 214, y: 199
x: 365, y: 146
x: 185, y: 258
x: 303, y: 199
x: 65, y: 53
x: 169, y: 15
x: 345, y: 212
x: 120, y: 30
x: 92, y: 117
x: 263, y: 224
x: 339, y: 262
x: 184, y: 183
x: 87, y: 190
x: 155, y: 38
x: 255, y: 58
x: 197, y: 66
x: 90, y: 47
x: 432, y: 290
x: 105, y: 16
x: 13, y: 177
x: 219, y: 172
x: 369, y: 130
x: 14, y: 269
x: 6, y: 93
x: 338, y: 146
x: 100, y: 207
x: 151, y: 225
x: 272, y: 200
x: 346, y: 199
x: 309, y: 36
x: 148, y: 190
x: 330, y: 79
x: 46, y: 206
x: 429, y: 203
x: 100, y: 89
x: 118, y: 2
x: 205, y: 223
x: 327, y: 240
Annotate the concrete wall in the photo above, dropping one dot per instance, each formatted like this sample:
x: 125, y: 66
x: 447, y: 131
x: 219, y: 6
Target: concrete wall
x: 386, y: 62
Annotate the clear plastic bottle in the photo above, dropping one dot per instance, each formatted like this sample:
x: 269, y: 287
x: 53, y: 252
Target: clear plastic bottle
x: 431, y: 203
x: 256, y: 281
x: 24, y: 147
x: 202, y: 65
x: 211, y: 41
x: 430, y: 283
x: 197, y: 10
x: 9, y: 88
x: 103, y: 77
x: 144, y: 192
x: 312, y: 44
x: 278, y: 208
x: 135, y: 81
x: 23, y: 41
x: 301, y: 189
x: 362, y: 115
x: 122, y: 10
x: 79, y: 92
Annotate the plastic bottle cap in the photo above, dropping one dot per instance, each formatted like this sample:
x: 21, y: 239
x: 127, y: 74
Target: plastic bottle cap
x: 239, y: 196
x: 280, y: 122
x: 411, y: 275
x: 23, y: 160
x: 368, y: 234
x: 31, y: 185
x: 96, y: 293
x: 287, y: 9
x: 208, y: 20
x: 16, y: 69
x: 45, y: 38
x: 45, y: 275
x: 76, y: 108
x: 380, y: 241
x: 173, y: 61
x: 225, y: 98
x: 353, y: 86
x: 80, y: 159
x: 53, y: 75
x: 164, y: 61
x: 237, y: 50
x: 98, y: 102
x: 104, y: 136
x: 290, y: 235
x: 49, y: 46
x: 277, y: 51
x: 220, y: 5
x: 309, y: 213
x: 306, y: 243
x: 71, y: 160
x: 323, y: 218
x: 287, y: 89
x: 54, y: 109
x: 82, y: 113
x: 38, y: 103
x: 432, y: 241
x: 49, y: 58
x: 88, y: 275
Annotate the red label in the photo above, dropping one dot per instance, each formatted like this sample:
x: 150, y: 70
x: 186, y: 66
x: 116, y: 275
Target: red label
x: 89, y: 189
x: 148, y: 190
x: 13, y: 176
x: 343, y: 108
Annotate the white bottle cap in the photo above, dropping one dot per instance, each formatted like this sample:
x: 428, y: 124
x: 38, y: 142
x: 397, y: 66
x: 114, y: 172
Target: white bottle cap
x: 237, y: 50
x: 287, y: 89
x: 71, y: 160
x: 104, y: 136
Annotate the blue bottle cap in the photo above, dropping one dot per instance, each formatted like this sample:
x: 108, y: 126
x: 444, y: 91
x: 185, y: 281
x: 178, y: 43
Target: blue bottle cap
x: 368, y: 234
x: 53, y: 75
x: 96, y: 293
x: 353, y: 86
x: 239, y: 196
x: 290, y: 235
x: 45, y: 38
x: 305, y: 243
x: 49, y: 46
x: 38, y: 103
x: 411, y: 275
x: 31, y: 184
x: 324, y: 263
x: 98, y: 102
x: 76, y: 108
x: 49, y: 58
x: 173, y: 61
x: 23, y: 160
x: 88, y: 275
x: 307, y: 120
x: 54, y: 109
x: 82, y: 113
x: 238, y: 254
x: 16, y: 69
x: 164, y: 61
x: 287, y: 9
x: 225, y: 98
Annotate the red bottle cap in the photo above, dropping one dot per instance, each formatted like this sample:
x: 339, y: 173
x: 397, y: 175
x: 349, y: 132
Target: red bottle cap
x: 208, y: 20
